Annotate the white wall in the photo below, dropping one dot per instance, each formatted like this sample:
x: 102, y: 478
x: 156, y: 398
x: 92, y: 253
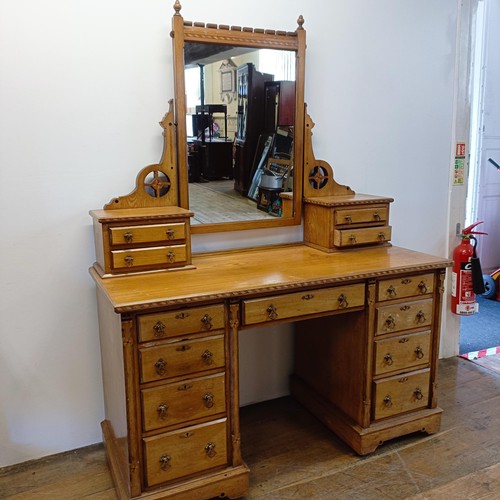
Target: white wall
x: 83, y: 85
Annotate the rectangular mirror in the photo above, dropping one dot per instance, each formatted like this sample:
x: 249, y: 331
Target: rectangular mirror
x: 239, y: 108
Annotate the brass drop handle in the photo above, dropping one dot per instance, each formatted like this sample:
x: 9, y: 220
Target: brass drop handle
x: 421, y: 317
x: 206, y: 322
x: 422, y: 287
x: 165, y: 462
x: 272, y: 313
x: 210, y: 449
x: 418, y: 393
x: 170, y: 233
x: 159, y: 329
x: 391, y: 291
x: 129, y: 260
x: 207, y: 357
x: 419, y: 352
x: 208, y: 399
x: 388, y: 401
x: 161, y: 366
x: 381, y: 236
x: 343, y: 301
x: 376, y: 216
x: 171, y: 257
x: 128, y: 236
x: 348, y: 219
x: 162, y: 411
x: 388, y: 359
x: 352, y: 239
x: 390, y: 323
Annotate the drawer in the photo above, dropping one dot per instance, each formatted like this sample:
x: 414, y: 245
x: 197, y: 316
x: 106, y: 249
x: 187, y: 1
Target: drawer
x: 396, y: 288
x: 403, y: 352
x: 403, y: 316
x: 361, y: 236
x: 181, y: 358
x: 147, y: 234
x: 180, y: 322
x: 361, y: 215
x: 401, y: 393
x: 183, y: 401
x: 303, y: 303
x: 184, y: 452
x: 143, y: 257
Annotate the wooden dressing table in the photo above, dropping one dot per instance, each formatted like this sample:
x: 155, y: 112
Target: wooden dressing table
x: 366, y: 314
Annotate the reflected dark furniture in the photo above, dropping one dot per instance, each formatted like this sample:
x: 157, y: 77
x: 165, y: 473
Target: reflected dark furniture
x: 279, y: 105
x: 250, y: 86
x: 210, y: 160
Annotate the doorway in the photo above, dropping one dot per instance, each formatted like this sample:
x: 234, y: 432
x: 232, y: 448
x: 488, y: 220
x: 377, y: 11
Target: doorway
x: 480, y: 333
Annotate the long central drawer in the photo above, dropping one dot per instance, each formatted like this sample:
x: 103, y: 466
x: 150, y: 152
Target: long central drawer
x: 303, y: 303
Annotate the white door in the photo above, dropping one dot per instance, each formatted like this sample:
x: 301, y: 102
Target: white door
x: 486, y: 204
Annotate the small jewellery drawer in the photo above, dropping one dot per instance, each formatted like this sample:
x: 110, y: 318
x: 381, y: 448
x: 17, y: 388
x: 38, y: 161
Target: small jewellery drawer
x: 183, y: 401
x: 186, y: 451
x: 180, y: 322
x: 404, y: 352
x: 401, y: 393
x: 361, y: 215
x: 403, y: 316
x: 397, y: 288
x: 361, y: 236
x: 303, y: 303
x: 143, y: 257
x: 147, y: 234
x: 181, y: 358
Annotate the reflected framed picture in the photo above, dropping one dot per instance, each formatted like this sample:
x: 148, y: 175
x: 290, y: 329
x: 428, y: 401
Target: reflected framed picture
x: 227, y: 72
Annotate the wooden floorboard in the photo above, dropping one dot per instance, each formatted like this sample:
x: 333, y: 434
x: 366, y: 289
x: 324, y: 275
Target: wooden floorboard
x: 292, y: 456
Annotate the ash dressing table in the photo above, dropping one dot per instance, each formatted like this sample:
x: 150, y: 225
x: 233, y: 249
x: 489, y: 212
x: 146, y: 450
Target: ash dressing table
x: 366, y: 316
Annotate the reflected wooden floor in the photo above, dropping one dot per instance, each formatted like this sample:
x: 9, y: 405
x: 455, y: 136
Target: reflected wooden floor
x: 291, y: 455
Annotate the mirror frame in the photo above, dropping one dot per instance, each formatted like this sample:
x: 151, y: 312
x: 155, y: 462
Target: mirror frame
x: 186, y: 31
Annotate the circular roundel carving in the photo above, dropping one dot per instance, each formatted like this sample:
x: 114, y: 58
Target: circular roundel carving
x: 318, y: 177
x: 157, y: 184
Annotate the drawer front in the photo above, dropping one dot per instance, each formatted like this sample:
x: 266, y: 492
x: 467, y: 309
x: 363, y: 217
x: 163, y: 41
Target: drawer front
x: 184, y: 452
x: 183, y: 401
x: 147, y: 234
x: 401, y: 393
x: 362, y: 236
x: 143, y: 257
x: 303, y: 303
x: 403, y: 352
x: 361, y: 215
x: 397, y: 288
x: 173, y: 323
x: 181, y: 358
x: 397, y: 317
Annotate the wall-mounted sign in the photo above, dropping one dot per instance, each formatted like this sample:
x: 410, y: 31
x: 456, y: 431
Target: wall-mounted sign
x: 459, y: 173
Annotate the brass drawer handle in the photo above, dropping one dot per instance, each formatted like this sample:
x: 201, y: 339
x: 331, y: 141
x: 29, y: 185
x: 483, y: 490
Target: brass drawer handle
x: 128, y: 236
x: 208, y: 399
x: 421, y: 317
x: 170, y: 234
x: 381, y: 236
x: 352, y: 239
x: 129, y: 260
x: 210, y: 449
x: 207, y: 357
x: 161, y: 366
x: 343, y: 301
x: 162, y: 411
x: 419, y: 352
x: 309, y: 296
x: 390, y: 323
x: 391, y: 291
x: 418, y: 393
x: 165, y: 462
x: 159, y: 329
x: 388, y: 401
x: 422, y: 288
x: 388, y: 359
x: 271, y: 312
x: 206, y: 322
x: 348, y: 219
x: 376, y: 216
x: 171, y: 257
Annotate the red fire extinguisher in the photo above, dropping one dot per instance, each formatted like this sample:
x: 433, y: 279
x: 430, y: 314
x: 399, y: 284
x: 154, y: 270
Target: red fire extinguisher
x: 467, y: 277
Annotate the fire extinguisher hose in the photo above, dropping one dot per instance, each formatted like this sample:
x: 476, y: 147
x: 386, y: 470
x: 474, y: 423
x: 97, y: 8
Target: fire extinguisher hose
x: 477, y: 273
